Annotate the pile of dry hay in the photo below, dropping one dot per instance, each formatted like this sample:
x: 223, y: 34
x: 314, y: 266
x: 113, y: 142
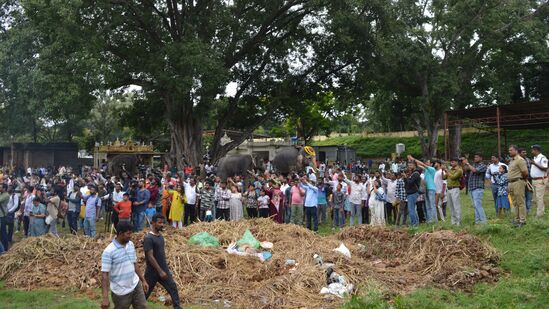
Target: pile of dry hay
x: 393, y: 259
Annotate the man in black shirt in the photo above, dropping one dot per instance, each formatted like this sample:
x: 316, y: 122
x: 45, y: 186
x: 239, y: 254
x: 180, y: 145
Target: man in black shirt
x: 412, y: 183
x: 155, y: 256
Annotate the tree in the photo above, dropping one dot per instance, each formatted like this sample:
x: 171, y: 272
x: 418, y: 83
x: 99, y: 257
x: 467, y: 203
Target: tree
x: 310, y: 117
x: 432, y: 56
x: 45, y: 95
x: 183, y: 54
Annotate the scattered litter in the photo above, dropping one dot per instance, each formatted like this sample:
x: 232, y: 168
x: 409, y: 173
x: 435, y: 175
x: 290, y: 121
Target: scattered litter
x: 337, y: 285
x: 289, y: 262
x: 343, y: 250
x: 247, y: 250
x: 337, y: 289
x: 437, y: 259
x: 204, y: 239
x: 249, y: 239
x: 318, y: 259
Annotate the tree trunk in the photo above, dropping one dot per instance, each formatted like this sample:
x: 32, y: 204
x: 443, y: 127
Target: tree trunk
x: 428, y: 139
x: 454, y: 141
x: 186, y: 141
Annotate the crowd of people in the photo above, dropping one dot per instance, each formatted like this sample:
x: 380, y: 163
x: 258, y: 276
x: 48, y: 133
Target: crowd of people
x: 392, y: 193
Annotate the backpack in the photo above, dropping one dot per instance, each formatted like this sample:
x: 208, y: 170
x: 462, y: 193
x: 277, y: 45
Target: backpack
x: 63, y: 209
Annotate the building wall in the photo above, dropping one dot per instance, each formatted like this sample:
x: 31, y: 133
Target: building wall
x: 41, y: 155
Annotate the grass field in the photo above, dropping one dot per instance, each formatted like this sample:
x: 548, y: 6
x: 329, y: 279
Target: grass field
x: 524, y: 283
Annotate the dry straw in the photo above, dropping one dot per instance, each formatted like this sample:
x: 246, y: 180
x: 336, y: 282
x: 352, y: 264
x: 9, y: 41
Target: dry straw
x: 395, y: 260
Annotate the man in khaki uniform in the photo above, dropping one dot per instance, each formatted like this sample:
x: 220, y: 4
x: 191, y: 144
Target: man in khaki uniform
x: 518, y: 173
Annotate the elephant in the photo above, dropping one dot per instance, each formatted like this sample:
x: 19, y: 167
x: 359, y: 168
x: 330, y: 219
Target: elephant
x: 123, y: 163
x: 234, y: 165
x: 291, y: 159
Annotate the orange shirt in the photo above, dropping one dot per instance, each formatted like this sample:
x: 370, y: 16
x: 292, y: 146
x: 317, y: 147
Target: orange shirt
x: 124, y: 209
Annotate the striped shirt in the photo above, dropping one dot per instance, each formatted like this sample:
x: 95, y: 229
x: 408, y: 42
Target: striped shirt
x: 119, y: 260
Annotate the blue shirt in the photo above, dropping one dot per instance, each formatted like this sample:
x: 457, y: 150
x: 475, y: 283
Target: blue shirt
x: 430, y: 178
x: 311, y: 195
x: 92, y: 202
x: 142, y: 196
x: 322, y: 195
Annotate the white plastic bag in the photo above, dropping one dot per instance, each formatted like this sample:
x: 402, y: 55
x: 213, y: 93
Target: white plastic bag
x: 343, y: 250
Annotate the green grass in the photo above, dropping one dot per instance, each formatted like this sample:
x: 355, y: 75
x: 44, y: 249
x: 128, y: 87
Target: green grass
x: 524, y: 260
x: 53, y: 299
x: 483, y: 142
x: 524, y: 283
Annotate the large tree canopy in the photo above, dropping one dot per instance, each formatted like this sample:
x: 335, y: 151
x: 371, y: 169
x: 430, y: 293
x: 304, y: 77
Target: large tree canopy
x: 184, y: 54
x: 432, y: 56
x: 239, y: 64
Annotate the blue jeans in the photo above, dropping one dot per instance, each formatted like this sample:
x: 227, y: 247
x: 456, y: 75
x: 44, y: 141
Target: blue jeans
x: 412, y: 209
x: 339, y: 217
x: 72, y: 217
x: 495, y: 196
x: 321, y: 209
x: 430, y: 207
x: 137, y: 220
x: 356, y: 212
x: 477, y: 196
x: 4, y: 232
x: 528, y: 200
x: 89, y: 227
x: 287, y: 213
x: 311, y: 214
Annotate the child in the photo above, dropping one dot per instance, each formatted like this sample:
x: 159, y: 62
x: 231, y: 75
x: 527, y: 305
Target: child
x: 207, y: 202
x: 124, y: 208
x: 502, y: 201
x: 150, y: 212
x: 263, y: 203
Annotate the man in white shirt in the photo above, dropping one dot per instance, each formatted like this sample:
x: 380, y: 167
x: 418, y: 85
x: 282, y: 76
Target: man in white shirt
x: 394, y: 167
x: 190, y: 206
x: 13, y: 206
x: 440, y: 193
x: 491, y: 172
x: 390, y: 187
x: 365, y: 196
x: 382, y: 167
x: 538, y: 172
x: 355, y: 198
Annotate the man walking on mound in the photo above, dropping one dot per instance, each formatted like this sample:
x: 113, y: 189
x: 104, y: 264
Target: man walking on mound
x: 157, y: 270
x: 119, y: 268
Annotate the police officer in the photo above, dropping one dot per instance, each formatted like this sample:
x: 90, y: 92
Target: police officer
x: 518, y: 175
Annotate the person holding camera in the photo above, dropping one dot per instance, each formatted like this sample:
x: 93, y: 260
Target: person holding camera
x: 453, y: 177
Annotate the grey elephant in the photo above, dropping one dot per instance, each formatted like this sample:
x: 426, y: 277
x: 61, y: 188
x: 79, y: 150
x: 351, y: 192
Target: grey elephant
x: 122, y: 163
x: 291, y: 159
x: 231, y: 166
